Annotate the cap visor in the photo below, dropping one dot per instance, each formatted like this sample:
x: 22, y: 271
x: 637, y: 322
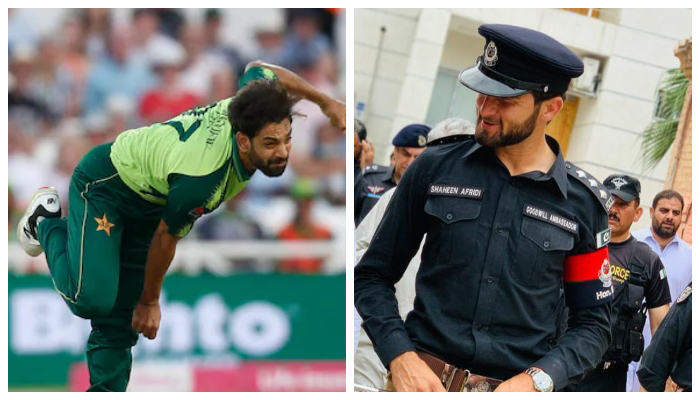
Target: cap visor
x: 478, y: 82
x: 624, y: 196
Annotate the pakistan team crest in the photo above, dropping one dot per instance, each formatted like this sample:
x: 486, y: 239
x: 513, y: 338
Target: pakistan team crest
x: 605, y: 273
x: 490, y: 54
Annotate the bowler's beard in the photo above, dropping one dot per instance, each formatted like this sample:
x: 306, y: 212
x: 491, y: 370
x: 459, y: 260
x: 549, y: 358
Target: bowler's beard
x: 266, y: 166
x: 516, y: 134
x: 662, y: 231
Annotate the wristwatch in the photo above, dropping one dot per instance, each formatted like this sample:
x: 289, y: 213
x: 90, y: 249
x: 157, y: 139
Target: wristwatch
x: 542, y: 381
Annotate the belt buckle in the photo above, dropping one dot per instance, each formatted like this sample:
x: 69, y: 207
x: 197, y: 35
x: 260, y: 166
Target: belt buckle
x: 448, y: 376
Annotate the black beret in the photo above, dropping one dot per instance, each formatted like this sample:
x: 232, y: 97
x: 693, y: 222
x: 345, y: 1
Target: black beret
x: 519, y: 60
x: 414, y: 135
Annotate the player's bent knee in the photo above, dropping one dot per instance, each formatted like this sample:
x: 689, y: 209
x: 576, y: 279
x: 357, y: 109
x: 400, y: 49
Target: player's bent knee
x: 88, y: 308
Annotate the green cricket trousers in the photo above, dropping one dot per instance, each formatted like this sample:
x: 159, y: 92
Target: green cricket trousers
x: 97, y: 259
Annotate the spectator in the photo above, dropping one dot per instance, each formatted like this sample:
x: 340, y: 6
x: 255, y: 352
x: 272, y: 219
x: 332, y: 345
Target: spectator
x: 20, y: 28
x: 303, y: 227
x: 73, y: 54
x: 71, y: 149
x: 23, y: 106
x: 223, y: 85
x: 116, y: 73
x: 169, y: 98
x: 303, y: 160
x: 52, y: 83
x: 331, y: 147
x: 230, y: 223
x: 214, y: 46
x: 269, y: 38
x: 147, y: 41
x: 98, y: 24
x: 200, y: 67
x: 305, y: 41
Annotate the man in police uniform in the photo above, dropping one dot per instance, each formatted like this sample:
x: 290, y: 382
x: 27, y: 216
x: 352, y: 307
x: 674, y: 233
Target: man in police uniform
x: 640, y: 283
x: 506, y: 220
x: 670, y: 352
x: 409, y: 143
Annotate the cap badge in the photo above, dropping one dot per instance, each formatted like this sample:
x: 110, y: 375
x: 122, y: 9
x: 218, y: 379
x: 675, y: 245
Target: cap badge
x: 422, y: 140
x: 619, y: 182
x: 490, y: 54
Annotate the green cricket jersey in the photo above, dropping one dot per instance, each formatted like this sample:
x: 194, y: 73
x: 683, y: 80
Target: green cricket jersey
x: 189, y: 164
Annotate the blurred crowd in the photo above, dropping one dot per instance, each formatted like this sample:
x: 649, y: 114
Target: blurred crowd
x: 95, y: 76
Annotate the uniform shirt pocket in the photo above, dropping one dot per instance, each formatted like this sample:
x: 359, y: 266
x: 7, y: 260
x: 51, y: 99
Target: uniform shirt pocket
x: 541, y: 251
x: 456, y: 224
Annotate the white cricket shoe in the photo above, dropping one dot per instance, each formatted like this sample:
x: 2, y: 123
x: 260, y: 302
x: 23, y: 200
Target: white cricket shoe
x: 44, y: 204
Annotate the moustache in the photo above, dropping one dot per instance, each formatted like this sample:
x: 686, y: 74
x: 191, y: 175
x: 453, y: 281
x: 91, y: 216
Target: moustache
x: 614, y: 216
x: 277, y: 160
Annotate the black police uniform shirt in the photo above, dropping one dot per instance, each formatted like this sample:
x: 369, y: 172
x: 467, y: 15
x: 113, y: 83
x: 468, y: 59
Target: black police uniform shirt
x: 375, y: 181
x: 656, y: 290
x: 496, y: 250
x: 670, y: 352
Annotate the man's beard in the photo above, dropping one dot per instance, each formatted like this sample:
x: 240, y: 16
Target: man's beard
x: 662, y: 231
x: 266, y: 167
x: 515, y: 135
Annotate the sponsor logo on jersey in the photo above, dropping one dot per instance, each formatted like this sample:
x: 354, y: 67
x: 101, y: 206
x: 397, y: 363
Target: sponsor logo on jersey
x: 550, y: 217
x: 605, y: 273
x: 456, y: 191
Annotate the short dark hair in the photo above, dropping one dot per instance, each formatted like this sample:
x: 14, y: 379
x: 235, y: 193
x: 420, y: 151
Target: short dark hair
x: 668, y: 194
x: 259, y: 103
x: 542, y: 96
x: 360, y: 129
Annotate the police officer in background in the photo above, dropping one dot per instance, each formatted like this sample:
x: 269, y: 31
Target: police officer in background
x: 409, y: 143
x: 506, y: 220
x: 670, y: 352
x: 640, y: 283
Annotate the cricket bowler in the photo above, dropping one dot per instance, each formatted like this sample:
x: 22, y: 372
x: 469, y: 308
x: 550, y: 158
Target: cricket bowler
x: 131, y: 200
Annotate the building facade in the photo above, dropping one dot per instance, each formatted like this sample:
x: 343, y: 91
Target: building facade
x: 407, y: 61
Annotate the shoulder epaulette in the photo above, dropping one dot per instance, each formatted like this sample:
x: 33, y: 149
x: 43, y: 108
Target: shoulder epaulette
x: 374, y: 168
x: 685, y: 293
x: 599, y: 191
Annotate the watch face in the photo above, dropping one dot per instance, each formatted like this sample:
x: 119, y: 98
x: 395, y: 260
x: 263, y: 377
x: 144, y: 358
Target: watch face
x: 542, y: 382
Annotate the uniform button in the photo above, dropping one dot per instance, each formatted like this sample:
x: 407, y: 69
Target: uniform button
x: 490, y: 279
x: 448, y: 216
x: 546, y: 244
x: 500, y: 229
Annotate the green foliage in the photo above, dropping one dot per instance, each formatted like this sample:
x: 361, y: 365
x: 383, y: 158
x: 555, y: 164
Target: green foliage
x: 659, y: 135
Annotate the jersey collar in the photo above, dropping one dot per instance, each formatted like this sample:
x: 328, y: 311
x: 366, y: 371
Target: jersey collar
x: 241, y: 173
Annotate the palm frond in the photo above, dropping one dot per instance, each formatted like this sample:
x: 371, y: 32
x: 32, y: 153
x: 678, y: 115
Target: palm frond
x: 659, y: 135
